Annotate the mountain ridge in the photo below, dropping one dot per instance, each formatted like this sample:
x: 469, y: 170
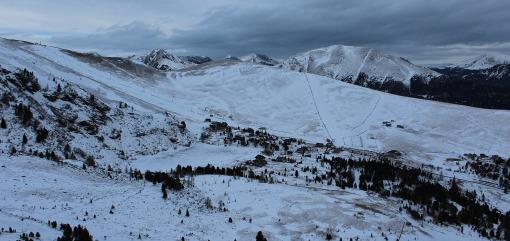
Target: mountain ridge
x: 259, y: 59
x: 347, y: 63
x: 483, y: 61
x: 226, y: 147
x: 232, y: 89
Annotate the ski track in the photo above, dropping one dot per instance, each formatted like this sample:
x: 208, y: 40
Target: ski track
x: 368, y: 115
x: 317, y: 109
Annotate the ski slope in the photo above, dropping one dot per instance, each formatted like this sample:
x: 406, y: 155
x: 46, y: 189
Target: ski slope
x: 252, y: 95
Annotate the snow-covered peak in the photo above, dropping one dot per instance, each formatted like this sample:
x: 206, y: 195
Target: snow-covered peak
x: 483, y: 61
x: 349, y: 62
x: 259, y: 59
x: 163, y: 60
x: 231, y: 57
x: 196, y: 59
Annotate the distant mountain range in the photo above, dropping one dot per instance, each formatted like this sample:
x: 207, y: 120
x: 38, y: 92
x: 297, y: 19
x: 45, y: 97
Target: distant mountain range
x: 483, y: 61
x: 161, y: 145
x: 468, y: 82
x: 487, y: 88
x: 166, y: 61
x: 259, y: 59
x: 244, y: 94
x: 361, y: 66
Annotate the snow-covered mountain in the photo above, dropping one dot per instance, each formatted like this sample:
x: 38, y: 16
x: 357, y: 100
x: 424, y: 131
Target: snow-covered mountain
x: 270, y: 134
x: 486, y: 88
x: 164, y: 60
x: 499, y: 72
x: 259, y: 59
x: 231, y: 57
x: 256, y: 95
x: 483, y: 61
x: 196, y: 59
x: 356, y: 65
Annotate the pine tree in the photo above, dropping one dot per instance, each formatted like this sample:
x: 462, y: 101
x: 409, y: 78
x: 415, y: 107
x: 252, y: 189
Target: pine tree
x: 25, y: 139
x: 163, y: 189
x: 42, y: 134
x: 454, y: 188
x: 27, y: 115
x: 92, y: 99
x: 187, y: 213
x: 3, y: 124
x: 260, y: 237
x: 90, y: 161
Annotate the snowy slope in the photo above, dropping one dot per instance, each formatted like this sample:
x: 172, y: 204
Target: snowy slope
x: 352, y: 116
x: 348, y: 62
x: 254, y: 95
x: 80, y: 125
x: 483, y: 61
x: 287, y: 103
x: 36, y: 190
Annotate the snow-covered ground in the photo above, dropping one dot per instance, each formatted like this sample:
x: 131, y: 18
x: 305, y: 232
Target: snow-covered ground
x: 283, y: 102
x: 39, y: 190
x: 199, y: 154
x: 259, y: 96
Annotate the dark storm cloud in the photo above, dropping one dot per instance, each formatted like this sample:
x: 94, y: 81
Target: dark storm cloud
x: 418, y: 30
x: 393, y: 25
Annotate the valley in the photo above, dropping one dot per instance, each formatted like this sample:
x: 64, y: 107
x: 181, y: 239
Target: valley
x: 223, y: 149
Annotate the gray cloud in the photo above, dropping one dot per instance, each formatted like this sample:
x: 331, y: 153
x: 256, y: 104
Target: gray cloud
x: 130, y: 38
x: 405, y: 27
x: 422, y: 31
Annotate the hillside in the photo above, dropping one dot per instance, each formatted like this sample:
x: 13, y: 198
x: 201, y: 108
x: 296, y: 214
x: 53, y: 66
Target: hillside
x: 232, y: 150
x: 63, y: 121
x: 257, y: 96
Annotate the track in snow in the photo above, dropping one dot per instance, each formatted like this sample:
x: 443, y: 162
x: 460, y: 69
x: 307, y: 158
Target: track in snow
x: 368, y: 115
x: 317, y: 109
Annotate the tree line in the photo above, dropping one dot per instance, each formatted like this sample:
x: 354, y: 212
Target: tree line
x: 427, y: 196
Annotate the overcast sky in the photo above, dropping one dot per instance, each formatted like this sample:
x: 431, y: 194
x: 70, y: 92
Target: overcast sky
x: 424, y: 31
